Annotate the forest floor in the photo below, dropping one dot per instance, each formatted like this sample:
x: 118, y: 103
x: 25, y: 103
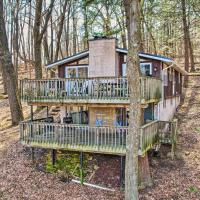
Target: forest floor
x: 173, y: 179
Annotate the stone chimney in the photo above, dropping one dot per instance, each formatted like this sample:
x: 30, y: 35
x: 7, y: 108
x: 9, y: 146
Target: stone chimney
x: 102, y: 57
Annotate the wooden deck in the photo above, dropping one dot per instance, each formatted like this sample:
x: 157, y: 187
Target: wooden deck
x: 106, y: 140
x: 90, y: 90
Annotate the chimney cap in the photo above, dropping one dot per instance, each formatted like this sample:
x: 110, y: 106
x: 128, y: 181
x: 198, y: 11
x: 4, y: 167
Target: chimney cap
x: 101, y: 36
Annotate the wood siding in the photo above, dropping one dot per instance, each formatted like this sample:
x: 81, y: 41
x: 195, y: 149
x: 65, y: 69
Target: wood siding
x: 175, y: 76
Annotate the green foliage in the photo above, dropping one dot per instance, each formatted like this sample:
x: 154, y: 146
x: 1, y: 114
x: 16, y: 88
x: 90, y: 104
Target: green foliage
x: 67, y: 164
x: 192, y: 189
x: 197, y: 129
x: 1, y: 194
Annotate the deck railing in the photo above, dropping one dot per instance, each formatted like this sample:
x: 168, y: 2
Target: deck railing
x: 89, y: 89
x: 92, y: 138
x: 74, y: 137
x: 148, y: 136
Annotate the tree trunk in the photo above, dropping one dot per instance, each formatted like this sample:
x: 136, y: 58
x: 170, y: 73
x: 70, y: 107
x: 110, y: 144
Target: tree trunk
x: 60, y: 30
x: 74, y: 33
x: 16, y: 39
x: 37, y: 40
x: 186, y: 45
x: 38, y: 35
x: 4, y: 80
x: 131, y: 173
x: 9, y: 73
x: 144, y: 171
x: 46, y: 49
x: 85, y: 23
x: 192, y: 67
x: 67, y: 30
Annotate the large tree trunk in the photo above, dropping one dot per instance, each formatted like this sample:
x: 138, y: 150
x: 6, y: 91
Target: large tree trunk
x: 85, y: 23
x: 16, y: 38
x: 192, y: 67
x: 144, y: 171
x: 38, y: 35
x: 186, y: 44
x: 37, y: 39
x: 66, y: 27
x: 46, y: 49
x: 133, y: 75
x: 74, y: 19
x: 9, y: 73
x: 4, y: 80
x: 60, y: 29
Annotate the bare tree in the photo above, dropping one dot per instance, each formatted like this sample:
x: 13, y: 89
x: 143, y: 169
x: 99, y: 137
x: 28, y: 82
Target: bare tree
x: 38, y: 34
x: 133, y: 75
x: 60, y: 29
x: 74, y: 32
x: 186, y: 36
x: 9, y: 73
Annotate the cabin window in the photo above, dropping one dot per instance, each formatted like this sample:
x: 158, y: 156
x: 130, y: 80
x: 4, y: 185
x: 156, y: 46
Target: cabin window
x: 146, y: 69
x: 149, y: 113
x: 82, y: 72
x: 76, y: 72
x: 71, y: 73
x: 121, y: 119
x: 124, y: 71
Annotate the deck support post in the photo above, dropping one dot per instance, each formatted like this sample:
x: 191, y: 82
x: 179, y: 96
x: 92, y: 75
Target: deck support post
x: 32, y: 149
x: 81, y: 168
x: 33, y: 154
x: 31, y: 113
x: 47, y: 111
x: 122, y: 172
x: 53, y: 154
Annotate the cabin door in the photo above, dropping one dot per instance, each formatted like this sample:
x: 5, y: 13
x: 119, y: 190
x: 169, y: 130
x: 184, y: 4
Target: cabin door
x: 149, y: 113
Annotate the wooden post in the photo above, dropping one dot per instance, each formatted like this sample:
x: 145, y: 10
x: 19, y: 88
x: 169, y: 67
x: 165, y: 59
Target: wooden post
x: 47, y: 111
x: 32, y: 149
x: 144, y: 175
x: 122, y: 171
x: 33, y: 155
x: 81, y: 168
x: 31, y: 113
x: 53, y: 157
x: 173, y: 138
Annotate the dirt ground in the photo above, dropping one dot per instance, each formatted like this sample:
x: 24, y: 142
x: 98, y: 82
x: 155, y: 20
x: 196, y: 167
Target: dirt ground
x: 177, y: 179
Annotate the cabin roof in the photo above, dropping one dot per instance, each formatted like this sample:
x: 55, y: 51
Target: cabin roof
x: 72, y: 58
x: 148, y: 55
x: 85, y: 54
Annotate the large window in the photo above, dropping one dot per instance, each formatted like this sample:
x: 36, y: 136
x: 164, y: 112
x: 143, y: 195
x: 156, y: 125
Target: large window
x: 146, y: 69
x: 76, y: 72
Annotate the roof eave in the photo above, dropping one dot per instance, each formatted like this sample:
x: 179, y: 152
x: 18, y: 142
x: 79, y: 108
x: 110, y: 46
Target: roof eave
x: 168, y: 61
x: 70, y: 59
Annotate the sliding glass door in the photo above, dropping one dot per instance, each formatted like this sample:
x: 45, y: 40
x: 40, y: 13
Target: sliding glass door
x: 73, y: 87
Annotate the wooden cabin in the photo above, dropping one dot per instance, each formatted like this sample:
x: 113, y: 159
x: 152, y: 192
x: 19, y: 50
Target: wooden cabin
x: 92, y: 92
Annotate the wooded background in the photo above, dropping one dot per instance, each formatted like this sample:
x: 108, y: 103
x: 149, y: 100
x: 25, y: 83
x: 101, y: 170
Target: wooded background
x: 42, y: 31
